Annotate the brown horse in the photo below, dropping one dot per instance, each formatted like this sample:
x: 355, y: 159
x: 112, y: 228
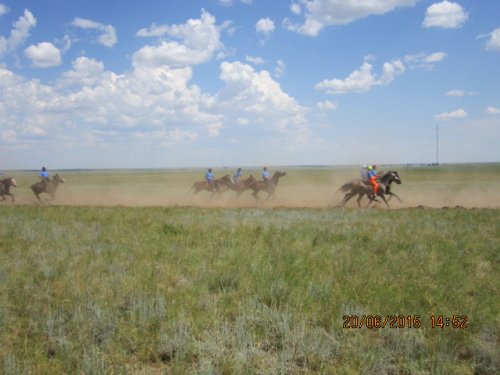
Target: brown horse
x: 268, y: 186
x: 361, y: 188
x: 49, y: 187
x: 219, y: 185
x: 5, y: 185
x: 249, y: 183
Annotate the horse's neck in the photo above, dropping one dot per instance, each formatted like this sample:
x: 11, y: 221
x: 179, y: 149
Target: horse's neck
x: 275, y: 179
x: 386, y: 179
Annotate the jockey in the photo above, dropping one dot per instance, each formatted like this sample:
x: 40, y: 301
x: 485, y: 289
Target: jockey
x: 209, y: 178
x: 237, y: 176
x: 44, y: 176
x: 265, y: 176
x: 372, y: 178
x: 364, y: 173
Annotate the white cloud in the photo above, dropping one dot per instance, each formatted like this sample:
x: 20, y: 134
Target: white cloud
x: 199, y: 42
x: 265, y: 26
x: 322, y: 13
x: 107, y: 38
x: 43, y: 55
x: 446, y: 15
x: 457, y: 93
x: 492, y: 111
x: 362, y: 80
x: 4, y: 9
x: 256, y: 60
x: 229, y: 3
x: 91, y: 103
x: 280, y: 69
x: 423, y: 60
x: 295, y: 8
x: 153, y: 31
x: 494, y: 41
x: 19, y: 33
x: 458, y: 114
x: 258, y: 96
x: 326, y: 106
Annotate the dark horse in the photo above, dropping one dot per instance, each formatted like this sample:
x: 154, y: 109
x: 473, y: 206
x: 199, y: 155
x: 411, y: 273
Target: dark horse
x: 5, y: 185
x: 49, y: 187
x: 362, y: 188
x: 220, y: 184
x: 268, y: 186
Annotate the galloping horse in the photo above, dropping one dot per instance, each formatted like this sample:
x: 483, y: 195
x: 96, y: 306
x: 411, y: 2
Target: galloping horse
x: 269, y: 187
x: 362, y: 188
x: 49, y: 187
x: 5, y: 185
x: 220, y: 184
x: 245, y: 184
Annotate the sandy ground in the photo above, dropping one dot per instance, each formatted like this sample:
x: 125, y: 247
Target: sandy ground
x: 293, y: 196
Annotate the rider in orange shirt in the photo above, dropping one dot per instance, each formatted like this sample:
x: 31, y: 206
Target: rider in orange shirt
x: 372, y: 178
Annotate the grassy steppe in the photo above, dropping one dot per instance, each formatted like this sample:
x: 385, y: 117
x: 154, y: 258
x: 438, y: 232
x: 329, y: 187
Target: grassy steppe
x: 100, y: 290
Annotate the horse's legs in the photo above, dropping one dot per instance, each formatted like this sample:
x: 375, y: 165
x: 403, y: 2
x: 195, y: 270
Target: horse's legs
x: 347, y: 197
x: 360, y: 195
x: 385, y: 201
x: 394, y: 195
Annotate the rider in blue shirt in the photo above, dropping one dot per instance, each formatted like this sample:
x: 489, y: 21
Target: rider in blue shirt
x: 209, y: 177
x: 44, y: 176
x: 265, y: 176
x: 237, y: 176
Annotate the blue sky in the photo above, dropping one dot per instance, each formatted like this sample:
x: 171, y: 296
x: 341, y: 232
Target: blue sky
x: 138, y: 84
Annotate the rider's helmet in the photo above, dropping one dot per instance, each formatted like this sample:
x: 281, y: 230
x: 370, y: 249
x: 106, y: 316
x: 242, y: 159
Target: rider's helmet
x: 369, y: 167
x: 44, y: 169
x: 374, y: 166
x: 210, y: 169
x: 265, y: 168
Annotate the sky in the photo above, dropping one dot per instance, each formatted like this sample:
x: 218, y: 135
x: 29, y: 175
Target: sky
x: 213, y: 83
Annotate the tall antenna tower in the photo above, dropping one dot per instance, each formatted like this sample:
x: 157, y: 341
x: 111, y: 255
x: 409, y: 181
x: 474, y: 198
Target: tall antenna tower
x: 437, y: 144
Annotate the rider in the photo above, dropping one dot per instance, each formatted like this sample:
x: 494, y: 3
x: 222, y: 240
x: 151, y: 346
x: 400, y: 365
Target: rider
x: 44, y: 176
x: 209, y: 178
x: 364, y: 173
x: 372, y: 178
x: 237, y: 176
x: 265, y: 176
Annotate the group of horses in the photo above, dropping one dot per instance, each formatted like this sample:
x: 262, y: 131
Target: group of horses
x: 352, y: 188
x: 48, y: 186
x: 225, y: 183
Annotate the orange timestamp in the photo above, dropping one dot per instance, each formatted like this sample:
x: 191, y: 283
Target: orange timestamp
x: 404, y: 321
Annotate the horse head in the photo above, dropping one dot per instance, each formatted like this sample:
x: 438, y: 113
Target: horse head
x: 390, y: 177
x: 58, y: 178
x: 9, y: 181
x: 277, y: 175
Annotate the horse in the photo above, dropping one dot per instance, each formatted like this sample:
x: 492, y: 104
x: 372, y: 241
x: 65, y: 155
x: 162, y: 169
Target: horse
x: 362, y: 188
x: 49, y: 186
x: 5, y: 185
x: 244, y: 184
x: 219, y: 185
x: 268, y: 186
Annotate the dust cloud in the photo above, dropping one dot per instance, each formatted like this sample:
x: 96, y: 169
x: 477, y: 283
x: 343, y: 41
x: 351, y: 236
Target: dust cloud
x: 292, y: 195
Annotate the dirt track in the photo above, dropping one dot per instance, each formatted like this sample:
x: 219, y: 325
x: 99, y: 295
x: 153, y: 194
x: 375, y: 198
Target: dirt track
x: 295, y: 196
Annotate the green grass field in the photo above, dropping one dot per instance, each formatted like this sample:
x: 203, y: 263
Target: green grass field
x: 226, y: 289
